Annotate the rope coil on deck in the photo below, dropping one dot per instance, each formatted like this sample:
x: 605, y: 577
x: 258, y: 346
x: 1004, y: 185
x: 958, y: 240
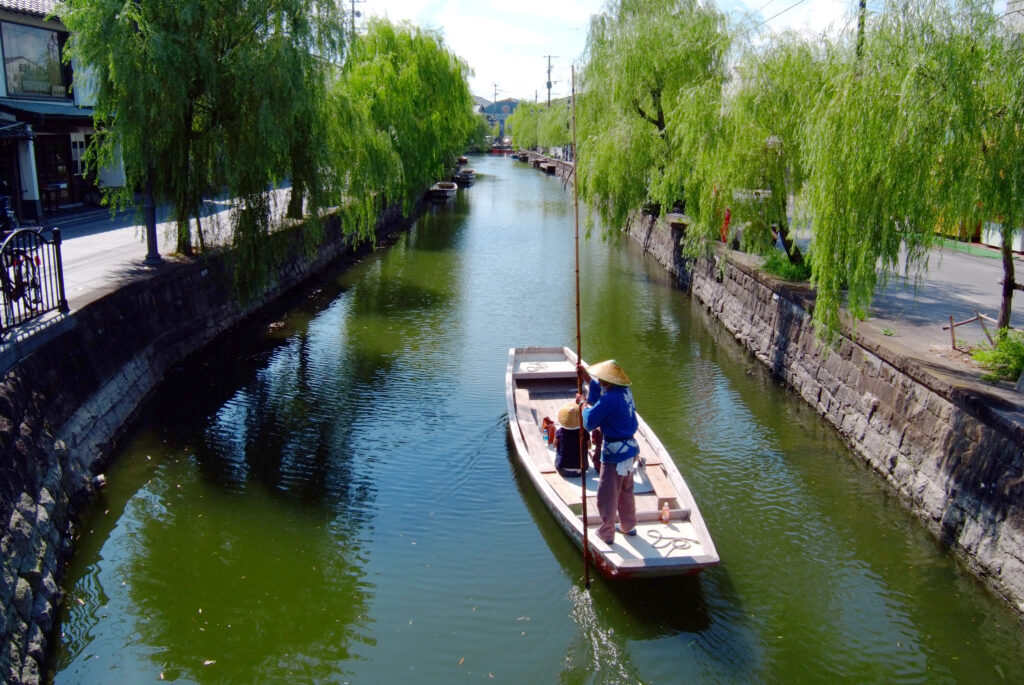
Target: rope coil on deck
x: 659, y: 541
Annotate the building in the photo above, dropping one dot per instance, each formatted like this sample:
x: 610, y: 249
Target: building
x: 498, y: 112
x: 45, y: 123
x: 1015, y: 15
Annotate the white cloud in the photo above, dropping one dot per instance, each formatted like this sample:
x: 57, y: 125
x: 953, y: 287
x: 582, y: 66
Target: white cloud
x: 505, y: 43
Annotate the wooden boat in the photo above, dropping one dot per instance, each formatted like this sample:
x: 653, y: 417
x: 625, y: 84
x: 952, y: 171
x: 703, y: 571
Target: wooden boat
x: 443, y: 190
x: 464, y: 177
x: 538, y: 380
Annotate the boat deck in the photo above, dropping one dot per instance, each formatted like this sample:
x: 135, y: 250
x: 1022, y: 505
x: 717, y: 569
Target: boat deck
x: 540, y: 381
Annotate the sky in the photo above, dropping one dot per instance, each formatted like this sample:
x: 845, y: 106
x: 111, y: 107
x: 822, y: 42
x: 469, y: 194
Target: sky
x: 506, y: 44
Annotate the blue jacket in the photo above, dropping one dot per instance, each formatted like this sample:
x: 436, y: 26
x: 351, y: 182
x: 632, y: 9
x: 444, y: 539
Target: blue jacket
x: 613, y: 412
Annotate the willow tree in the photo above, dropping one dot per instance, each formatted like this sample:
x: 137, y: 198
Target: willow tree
x: 415, y: 91
x: 757, y: 164
x: 554, y: 128
x: 649, y: 66
x: 923, y: 127
x: 524, y: 124
x: 540, y: 125
x: 199, y: 96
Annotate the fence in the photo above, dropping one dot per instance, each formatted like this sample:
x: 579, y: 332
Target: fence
x: 31, y: 277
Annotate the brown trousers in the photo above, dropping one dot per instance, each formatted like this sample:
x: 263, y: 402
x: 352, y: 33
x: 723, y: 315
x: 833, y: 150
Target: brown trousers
x: 615, y: 494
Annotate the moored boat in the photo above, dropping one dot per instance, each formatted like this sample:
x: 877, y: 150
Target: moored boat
x: 443, y: 190
x: 464, y: 177
x: 539, y: 380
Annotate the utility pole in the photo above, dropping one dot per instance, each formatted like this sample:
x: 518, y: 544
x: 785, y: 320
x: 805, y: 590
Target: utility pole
x: 860, y: 26
x: 549, y: 58
x: 494, y: 110
x: 355, y: 14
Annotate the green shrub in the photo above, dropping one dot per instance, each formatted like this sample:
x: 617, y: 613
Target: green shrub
x: 778, y: 264
x: 1006, y: 360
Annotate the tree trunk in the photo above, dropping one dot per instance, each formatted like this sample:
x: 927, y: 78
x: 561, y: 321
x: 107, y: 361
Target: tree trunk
x: 795, y: 256
x: 183, y: 194
x: 295, y: 199
x: 1009, y: 284
x: 780, y: 202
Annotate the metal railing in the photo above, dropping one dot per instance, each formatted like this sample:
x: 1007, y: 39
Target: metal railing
x: 31, y: 277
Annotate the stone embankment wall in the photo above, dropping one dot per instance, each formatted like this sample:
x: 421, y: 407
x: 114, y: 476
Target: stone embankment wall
x: 562, y: 168
x: 953, y: 453
x: 65, y: 404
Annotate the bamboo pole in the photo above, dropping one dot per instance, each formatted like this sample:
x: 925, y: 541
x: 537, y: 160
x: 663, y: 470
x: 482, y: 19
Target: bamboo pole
x: 579, y: 363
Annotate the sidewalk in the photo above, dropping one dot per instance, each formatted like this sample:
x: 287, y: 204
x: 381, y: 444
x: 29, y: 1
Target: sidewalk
x: 957, y: 284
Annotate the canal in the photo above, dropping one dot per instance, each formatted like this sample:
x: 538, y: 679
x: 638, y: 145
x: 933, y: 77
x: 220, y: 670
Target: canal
x: 330, y: 496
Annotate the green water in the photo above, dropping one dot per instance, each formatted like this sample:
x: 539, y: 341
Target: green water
x: 334, y: 499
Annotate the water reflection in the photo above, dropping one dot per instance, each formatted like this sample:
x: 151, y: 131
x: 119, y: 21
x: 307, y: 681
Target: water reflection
x: 638, y: 610
x: 338, y: 490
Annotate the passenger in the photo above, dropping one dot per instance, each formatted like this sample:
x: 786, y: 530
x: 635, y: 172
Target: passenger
x: 612, y: 410
x: 570, y: 459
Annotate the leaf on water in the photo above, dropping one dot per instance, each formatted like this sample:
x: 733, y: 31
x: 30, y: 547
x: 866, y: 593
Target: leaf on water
x: 461, y: 660
x: 209, y: 662
x: 523, y: 618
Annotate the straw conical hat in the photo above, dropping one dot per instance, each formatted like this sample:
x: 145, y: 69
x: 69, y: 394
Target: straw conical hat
x: 609, y: 371
x: 569, y: 415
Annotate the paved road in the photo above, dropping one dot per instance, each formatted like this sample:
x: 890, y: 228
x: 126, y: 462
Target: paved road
x: 955, y: 284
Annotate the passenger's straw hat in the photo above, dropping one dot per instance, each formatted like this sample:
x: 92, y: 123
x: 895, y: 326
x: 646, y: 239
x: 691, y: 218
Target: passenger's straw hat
x: 609, y: 371
x: 569, y: 415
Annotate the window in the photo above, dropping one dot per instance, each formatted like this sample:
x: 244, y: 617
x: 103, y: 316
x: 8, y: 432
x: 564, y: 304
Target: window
x: 32, y: 61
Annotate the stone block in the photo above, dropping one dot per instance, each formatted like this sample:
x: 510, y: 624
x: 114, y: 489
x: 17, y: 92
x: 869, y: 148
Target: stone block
x: 7, y: 585
x: 35, y: 645
x: 20, y: 535
x: 30, y: 672
x: 43, y: 611
x: 13, y: 661
x: 971, y: 534
x: 23, y: 599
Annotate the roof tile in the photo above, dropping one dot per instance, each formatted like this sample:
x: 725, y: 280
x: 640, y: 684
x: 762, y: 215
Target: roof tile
x: 36, y: 7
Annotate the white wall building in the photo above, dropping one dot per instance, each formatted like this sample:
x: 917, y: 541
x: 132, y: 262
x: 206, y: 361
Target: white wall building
x: 45, y: 124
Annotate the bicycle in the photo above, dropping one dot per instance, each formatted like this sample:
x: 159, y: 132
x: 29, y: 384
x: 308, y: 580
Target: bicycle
x: 20, y: 276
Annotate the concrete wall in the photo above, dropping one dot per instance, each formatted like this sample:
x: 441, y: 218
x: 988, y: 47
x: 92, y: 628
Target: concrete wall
x: 64, y: 405
x: 952, y: 452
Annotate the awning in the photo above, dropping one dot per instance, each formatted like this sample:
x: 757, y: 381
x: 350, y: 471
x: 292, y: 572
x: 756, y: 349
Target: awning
x: 18, y: 130
x: 39, y: 113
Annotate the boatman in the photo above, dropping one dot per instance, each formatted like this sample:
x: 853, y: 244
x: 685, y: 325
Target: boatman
x: 612, y: 410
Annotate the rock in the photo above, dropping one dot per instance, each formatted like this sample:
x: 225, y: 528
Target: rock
x: 20, y: 531
x: 7, y: 583
x: 23, y: 599
x: 42, y: 614
x: 36, y: 643
x: 30, y: 672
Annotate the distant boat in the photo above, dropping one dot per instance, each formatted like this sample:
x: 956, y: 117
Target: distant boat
x: 443, y: 190
x: 463, y: 160
x: 539, y: 380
